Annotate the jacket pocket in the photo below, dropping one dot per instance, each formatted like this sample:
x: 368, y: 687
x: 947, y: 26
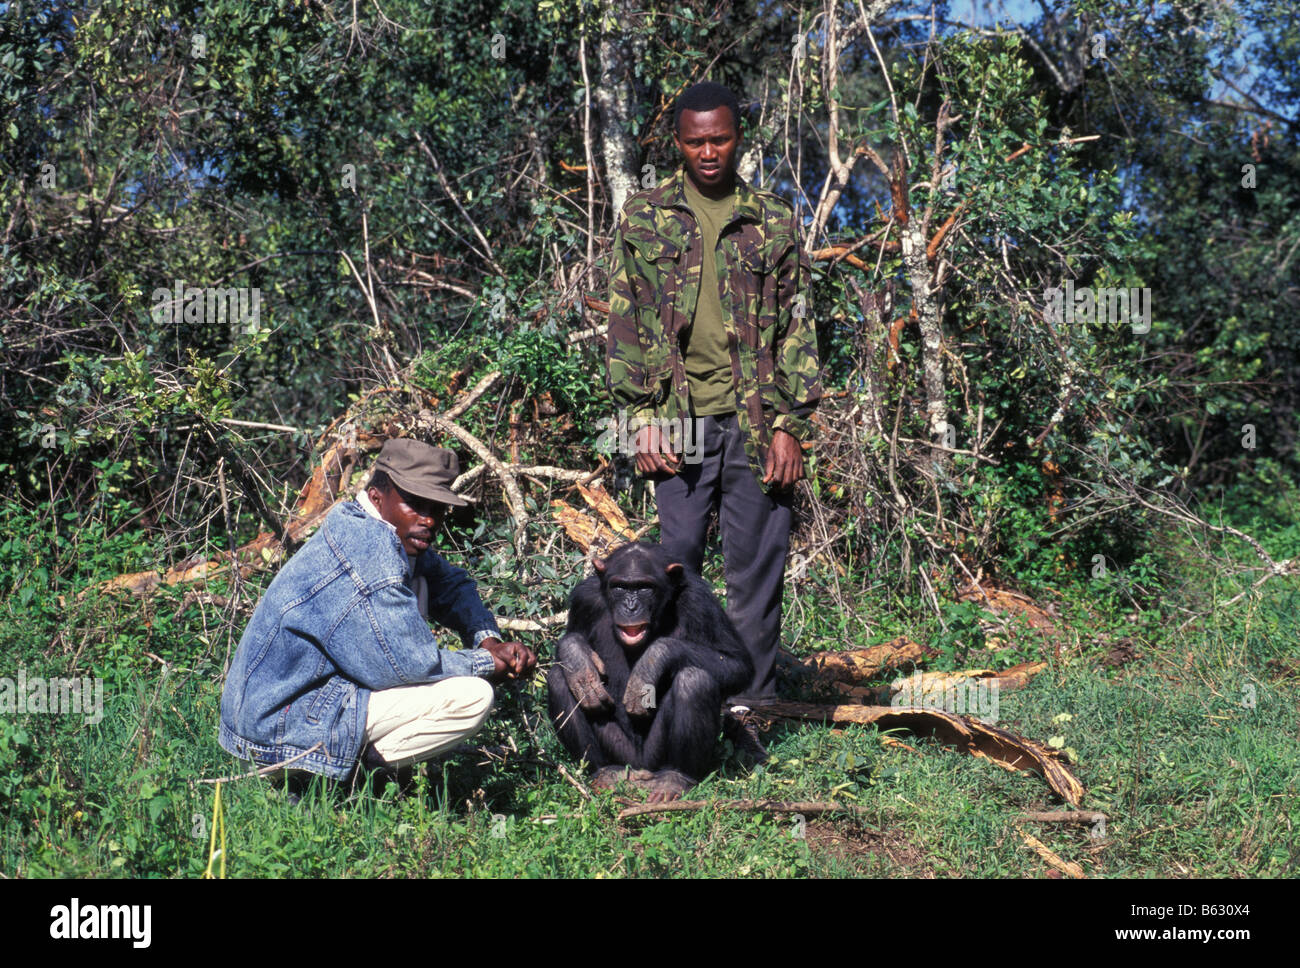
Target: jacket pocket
x: 753, y: 259
x: 327, y: 698
x: 342, y: 733
x: 654, y: 249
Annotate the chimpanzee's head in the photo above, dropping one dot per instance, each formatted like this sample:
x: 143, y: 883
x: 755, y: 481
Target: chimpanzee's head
x: 639, y: 581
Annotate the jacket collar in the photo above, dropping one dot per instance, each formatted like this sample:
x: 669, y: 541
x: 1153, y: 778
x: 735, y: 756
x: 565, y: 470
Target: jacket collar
x: 671, y: 193
x: 367, y: 505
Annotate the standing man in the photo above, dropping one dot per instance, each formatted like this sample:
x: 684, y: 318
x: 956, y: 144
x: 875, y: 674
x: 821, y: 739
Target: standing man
x: 708, y: 324
x: 338, y: 662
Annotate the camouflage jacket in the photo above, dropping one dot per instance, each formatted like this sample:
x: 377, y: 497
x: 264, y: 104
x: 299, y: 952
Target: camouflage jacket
x: 654, y: 285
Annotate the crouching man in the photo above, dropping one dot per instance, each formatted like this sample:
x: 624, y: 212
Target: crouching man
x: 338, y: 663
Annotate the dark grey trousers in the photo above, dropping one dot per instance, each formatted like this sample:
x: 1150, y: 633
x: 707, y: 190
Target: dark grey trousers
x: 755, y: 537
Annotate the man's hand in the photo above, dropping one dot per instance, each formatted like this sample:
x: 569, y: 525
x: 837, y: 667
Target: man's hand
x: 653, y: 452
x: 784, y: 460
x: 513, y: 659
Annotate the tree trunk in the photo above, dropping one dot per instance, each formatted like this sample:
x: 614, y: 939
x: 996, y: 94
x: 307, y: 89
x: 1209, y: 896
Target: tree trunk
x: 925, y: 304
x: 614, y: 96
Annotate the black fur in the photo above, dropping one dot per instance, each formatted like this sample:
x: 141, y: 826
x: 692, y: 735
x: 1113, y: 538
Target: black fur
x: 655, y: 705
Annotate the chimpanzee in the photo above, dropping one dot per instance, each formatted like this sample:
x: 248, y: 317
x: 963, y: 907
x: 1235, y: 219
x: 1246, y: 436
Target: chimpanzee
x: 645, y: 662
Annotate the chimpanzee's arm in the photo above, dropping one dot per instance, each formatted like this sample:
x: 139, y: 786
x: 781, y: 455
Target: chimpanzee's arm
x: 578, y: 652
x: 666, y: 657
x: 704, y: 639
x: 582, y: 670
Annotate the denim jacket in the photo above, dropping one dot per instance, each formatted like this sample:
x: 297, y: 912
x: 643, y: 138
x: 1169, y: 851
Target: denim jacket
x: 336, y: 623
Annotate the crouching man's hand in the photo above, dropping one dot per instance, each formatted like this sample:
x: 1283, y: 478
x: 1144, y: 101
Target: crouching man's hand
x: 514, y: 660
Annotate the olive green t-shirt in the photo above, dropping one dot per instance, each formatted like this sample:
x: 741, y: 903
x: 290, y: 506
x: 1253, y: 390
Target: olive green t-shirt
x: 708, y: 362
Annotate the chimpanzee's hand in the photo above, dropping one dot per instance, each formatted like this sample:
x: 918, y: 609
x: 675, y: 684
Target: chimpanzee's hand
x: 582, y: 672
x: 639, y: 697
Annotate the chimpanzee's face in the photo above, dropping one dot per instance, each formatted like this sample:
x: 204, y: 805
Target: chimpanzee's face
x: 635, y: 605
x: 639, y: 582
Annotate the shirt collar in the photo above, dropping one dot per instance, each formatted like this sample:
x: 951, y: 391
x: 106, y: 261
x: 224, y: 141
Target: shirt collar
x: 671, y: 193
x: 368, y: 506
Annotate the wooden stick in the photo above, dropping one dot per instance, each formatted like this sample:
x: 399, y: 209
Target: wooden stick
x: 1085, y: 817
x: 533, y: 624
x: 467, y: 401
x: 810, y: 808
x: 264, y: 770
x: 514, y: 497
x: 232, y: 422
x: 1067, y: 867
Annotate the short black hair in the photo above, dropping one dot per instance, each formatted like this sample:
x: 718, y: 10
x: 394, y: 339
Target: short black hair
x: 706, y: 96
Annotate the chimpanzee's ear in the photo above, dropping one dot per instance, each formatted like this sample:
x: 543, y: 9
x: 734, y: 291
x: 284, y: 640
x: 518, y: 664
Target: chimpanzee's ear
x: 599, y: 565
x: 674, y: 570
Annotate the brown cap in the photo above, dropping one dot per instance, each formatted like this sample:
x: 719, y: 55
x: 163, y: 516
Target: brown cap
x: 421, y: 469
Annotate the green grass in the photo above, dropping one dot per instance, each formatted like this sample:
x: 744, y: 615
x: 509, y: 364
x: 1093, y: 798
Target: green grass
x: 1189, y: 748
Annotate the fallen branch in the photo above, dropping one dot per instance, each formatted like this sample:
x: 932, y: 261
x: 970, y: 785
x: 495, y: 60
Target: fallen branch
x: 1085, y: 817
x: 588, y: 533
x: 1042, y: 850
x: 523, y: 470
x: 514, y: 497
x: 808, y: 808
x: 1274, y: 567
x: 232, y: 422
x: 533, y: 624
x: 923, y: 688
x: 859, y: 665
x: 468, y: 400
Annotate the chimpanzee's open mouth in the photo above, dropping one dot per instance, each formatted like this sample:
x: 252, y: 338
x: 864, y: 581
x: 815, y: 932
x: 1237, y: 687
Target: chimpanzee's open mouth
x: 632, y: 634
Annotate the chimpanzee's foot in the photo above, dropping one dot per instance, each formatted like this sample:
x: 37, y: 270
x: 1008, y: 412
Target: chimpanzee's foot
x: 666, y: 785
x: 609, y: 777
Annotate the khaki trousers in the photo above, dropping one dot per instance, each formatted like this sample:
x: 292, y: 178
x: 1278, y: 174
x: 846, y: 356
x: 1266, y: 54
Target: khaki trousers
x: 411, y: 724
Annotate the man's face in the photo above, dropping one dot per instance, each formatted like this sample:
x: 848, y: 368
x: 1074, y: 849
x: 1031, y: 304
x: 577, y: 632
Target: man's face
x: 708, y: 141
x: 415, y: 518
